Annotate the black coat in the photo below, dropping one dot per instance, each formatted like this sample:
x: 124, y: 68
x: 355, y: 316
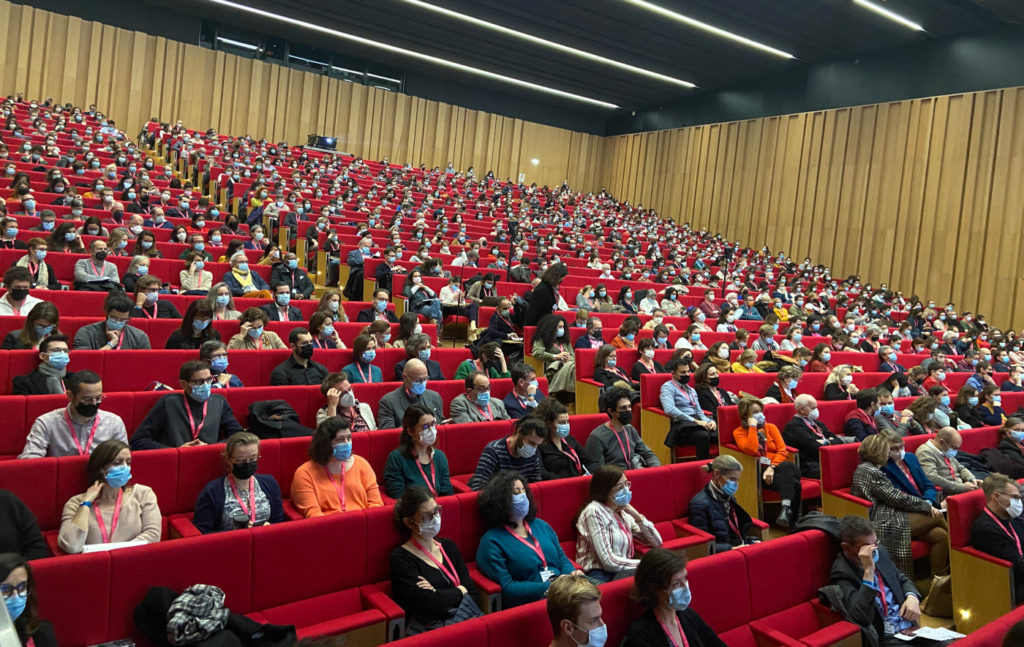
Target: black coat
x: 367, y: 315
x: 859, y: 599
x: 34, y: 383
x: 709, y: 515
x: 542, y: 303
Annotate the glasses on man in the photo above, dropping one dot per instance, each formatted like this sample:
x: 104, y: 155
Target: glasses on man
x: 202, y: 381
x: 96, y: 400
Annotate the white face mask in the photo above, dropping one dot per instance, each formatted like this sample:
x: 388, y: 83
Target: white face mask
x: 723, y: 353
x: 1016, y: 507
x: 649, y: 353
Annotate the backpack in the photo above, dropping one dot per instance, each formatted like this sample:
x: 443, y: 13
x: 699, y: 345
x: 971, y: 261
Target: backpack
x: 275, y: 419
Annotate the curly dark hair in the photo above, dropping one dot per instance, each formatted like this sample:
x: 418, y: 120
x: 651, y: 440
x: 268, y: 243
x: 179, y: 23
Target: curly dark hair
x: 495, y: 500
x: 546, y: 328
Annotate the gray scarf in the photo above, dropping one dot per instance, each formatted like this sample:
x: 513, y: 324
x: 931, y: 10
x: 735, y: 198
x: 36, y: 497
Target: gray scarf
x: 54, y: 378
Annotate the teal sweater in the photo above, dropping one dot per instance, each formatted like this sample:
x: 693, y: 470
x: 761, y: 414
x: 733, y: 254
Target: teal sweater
x: 401, y: 472
x: 516, y: 567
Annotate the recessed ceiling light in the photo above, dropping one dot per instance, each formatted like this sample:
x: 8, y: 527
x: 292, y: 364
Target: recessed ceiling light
x: 596, y: 58
x: 414, y: 54
x: 698, y: 24
x: 891, y: 15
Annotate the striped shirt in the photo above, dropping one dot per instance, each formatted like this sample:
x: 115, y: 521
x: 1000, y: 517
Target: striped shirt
x: 603, y: 542
x: 496, y: 457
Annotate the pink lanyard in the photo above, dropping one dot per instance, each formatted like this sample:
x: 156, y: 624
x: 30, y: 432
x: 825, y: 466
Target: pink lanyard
x: 92, y: 434
x: 689, y: 399
x: 625, y: 454
x: 433, y: 476
x: 489, y: 416
x: 952, y: 472
x: 1013, y: 535
x: 451, y: 574
x: 572, y: 456
x: 113, y: 520
x: 367, y: 379
x: 99, y: 272
x: 533, y: 544
x: 252, y: 498
x: 196, y: 429
x: 340, y: 487
x: 672, y: 640
x: 814, y: 428
x: 149, y: 316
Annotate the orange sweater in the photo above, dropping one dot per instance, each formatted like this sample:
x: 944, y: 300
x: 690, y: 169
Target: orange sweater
x: 746, y: 439
x: 314, y: 494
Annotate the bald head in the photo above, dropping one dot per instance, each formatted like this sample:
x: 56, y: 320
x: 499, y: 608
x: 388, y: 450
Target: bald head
x: 951, y: 437
x: 805, y: 404
x: 415, y: 371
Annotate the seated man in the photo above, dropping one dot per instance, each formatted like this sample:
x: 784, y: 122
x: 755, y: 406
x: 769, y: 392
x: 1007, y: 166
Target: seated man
x: 379, y: 311
x: 76, y: 429
x: 341, y: 401
x: 938, y: 460
x: 299, y: 368
x: 574, y: 611
x: 875, y: 594
x: 690, y: 425
x: 288, y: 272
x: 148, y: 303
x: 413, y: 390
x: 195, y: 417
x: 96, y: 273
x: 51, y: 376
x: 418, y: 346
x: 594, y: 337
x: 807, y: 434
x: 41, y: 274
x: 617, y: 442
x: 17, y: 302
x: 525, y: 394
x: 999, y: 530
x: 280, y: 310
x: 476, y: 405
x: 242, y: 281
x: 860, y: 422
x: 501, y: 327
x: 114, y: 333
x: 886, y: 417
x: 516, y: 452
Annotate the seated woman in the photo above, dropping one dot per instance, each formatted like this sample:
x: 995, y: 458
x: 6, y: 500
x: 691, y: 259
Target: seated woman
x: 762, y: 439
x: 561, y: 455
x: 89, y: 518
x: 195, y: 328
x: 362, y: 370
x: 253, y: 334
x: 794, y: 338
x: 625, y: 300
x: 550, y: 344
x: 715, y: 510
x: 895, y: 514
x: 1011, y: 446
x: 416, y: 462
x: 519, y: 552
x: 646, y: 364
x: 609, y: 526
x: 991, y: 408
x: 607, y: 371
x: 408, y: 325
x: 18, y: 589
x: 690, y: 339
x: 718, y: 356
x: 660, y: 587
x: 215, y: 354
x: 334, y: 479
x: 222, y: 303
x: 746, y: 363
x: 429, y: 578
x: 966, y: 406
x: 380, y: 331
x: 783, y: 390
x: 585, y: 299
x: 820, y: 357
x: 42, y: 321
x: 709, y: 395
x: 490, y: 361
x: 194, y: 279
x: 243, y: 498
x: 627, y: 335
x: 839, y: 384
x: 341, y: 401
x: 422, y: 299
x: 321, y: 327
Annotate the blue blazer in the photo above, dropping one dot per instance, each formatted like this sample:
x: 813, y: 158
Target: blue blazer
x: 210, y: 504
x: 515, y: 408
x: 925, y: 488
x: 236, y: 287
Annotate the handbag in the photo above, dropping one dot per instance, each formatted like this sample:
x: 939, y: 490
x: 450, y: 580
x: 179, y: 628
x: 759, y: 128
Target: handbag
x: 939, y: 601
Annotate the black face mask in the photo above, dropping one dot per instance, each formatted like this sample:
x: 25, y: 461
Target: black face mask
x: 19, y: 294
x: 625, y: 417
x: 714, y: 381
x: 305, y: 352
x: 87, y: 410
x: 244, y: 470
x: 101, y: 256
x: 683, y: 379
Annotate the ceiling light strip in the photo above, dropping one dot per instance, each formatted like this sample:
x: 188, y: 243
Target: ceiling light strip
x: 413, y: 54
x: 693, y: 22
x: 595, y: 58
x: 891, y: 15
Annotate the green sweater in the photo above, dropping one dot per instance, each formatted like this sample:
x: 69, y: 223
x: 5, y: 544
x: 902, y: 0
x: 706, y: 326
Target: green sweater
x: 401, y: 472
x: 469, y: 366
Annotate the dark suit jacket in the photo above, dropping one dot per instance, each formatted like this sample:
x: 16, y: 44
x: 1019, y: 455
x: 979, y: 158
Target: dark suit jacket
x: 515, y: 408
x: 34, y: 383
x: 992, y: 539
x: 433, y: 370
x: 367, y: 315
x: 270, y: 309
x: 859, y: 598
x: 542, y: 302
x: 797, y: 434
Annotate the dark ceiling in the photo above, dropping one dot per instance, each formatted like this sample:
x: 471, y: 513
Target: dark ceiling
x: 812, y: 30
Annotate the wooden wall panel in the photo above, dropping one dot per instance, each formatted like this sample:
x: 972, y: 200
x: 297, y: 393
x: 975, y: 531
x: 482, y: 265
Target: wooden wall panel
x: 926, y: 195
x: 133, y: 76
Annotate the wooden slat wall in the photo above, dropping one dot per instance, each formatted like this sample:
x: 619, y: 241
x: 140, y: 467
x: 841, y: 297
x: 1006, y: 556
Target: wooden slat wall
x: 133, y: 76
x: 926, y: 194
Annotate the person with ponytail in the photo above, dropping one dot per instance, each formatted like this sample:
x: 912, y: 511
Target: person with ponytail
x: 111, y: 510
x: 715, y: 510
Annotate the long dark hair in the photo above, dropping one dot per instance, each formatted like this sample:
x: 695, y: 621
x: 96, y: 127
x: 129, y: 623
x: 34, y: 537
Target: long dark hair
x: 29, y: 621
x: 198, y: 308
x: 411, y: 416
x: 100, y: 458
x: 547, y: 327
x: 407, y: 505
x: 602, y: 482
x: 41, y: 310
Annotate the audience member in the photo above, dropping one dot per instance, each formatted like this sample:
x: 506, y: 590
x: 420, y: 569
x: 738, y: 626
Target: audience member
x: 215, y: 354
x: 279, y: 309
x: 761, y: 439
x: 148, y: 304
x: 114, y: 333
x: 999, y: 530
x: 341, y: 401
x: 18, y: 589
x: 715, y: 509
x: 413, y: 390
x: 517, y: 453
x: 51, y: 374
x: 334, y: 479
x: 17, y: 300
x: 690, y: 425
x: 617, y: 442
x: 476, y: 405
x: 561, y: 455
x: 299, y: 368
x: 574, y: 608
x: 807, y: 434
x: 195, y: 328
x: 253, y: 334
x: 525, y: 395
x: 937, y: 457
x: 242, y: 498
x: 75, y: 430
x: 416, y: 456
x: 362, y: 370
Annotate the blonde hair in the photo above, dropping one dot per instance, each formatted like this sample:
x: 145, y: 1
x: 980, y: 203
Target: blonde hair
x: 874, y: 449
x: 239, y: 439
x: 566, y: 595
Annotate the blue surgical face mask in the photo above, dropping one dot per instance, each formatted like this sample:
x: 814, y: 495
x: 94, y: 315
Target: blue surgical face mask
x: 951, y: 453
x: 892, y: 357
x: 200, y: 324
x: 369, y: 356
x: 888, y: 409
x: 256, y: 333
x: 292, y: 264
x: 623, y: 496
x: 114, y: 324
x: 284, y: 299
x: 58, y: 359
x: 945, y: 400
x: 662, y: 340
x: 825, y: 357
x: 630, y: 336
x: 223, y: 300
x: 382, y: 305
x: 562, y: 430
x: 792, y: 385
x: 342, y: 451
x: 680, y: 598
x: 1017, y: 435
x: 43, y: 331
x: 118, y: 476
x: 520, y: 506
x: 973, y: 400
x: 16, y: 604
x: 424, y: 354
x: 418, y: 388
x: 730, y: 487
x: 219, y: 364
x: 201, y: 392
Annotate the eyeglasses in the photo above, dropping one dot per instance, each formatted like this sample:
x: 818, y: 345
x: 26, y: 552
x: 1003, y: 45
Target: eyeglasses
x: 433, y: 514
x: 97, y: 400
x: 200, y: 382
x: 123, y: 320
x: 244, y: 461
x: 8, y: 591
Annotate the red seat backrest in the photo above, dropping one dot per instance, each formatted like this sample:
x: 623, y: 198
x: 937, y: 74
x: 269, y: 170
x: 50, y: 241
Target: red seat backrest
x: 16, y: 424
x: 687, y: 479
x: 765, y: 562
x: 293, y: 453
x: 963, y: 510
x: 40, y: 498
x: 382, y: 537
x: 650, y: 384
x: 580, y: 426
x: 650, y: 492
x: 523, y: 625
x: 837, y: 465
x: 559, y: 501
x: 978, y: 439
x: 463, y: 443
x: 60, y: 584
x: 719, y: 576
x: 753, y: 383
x: 196, y: 467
